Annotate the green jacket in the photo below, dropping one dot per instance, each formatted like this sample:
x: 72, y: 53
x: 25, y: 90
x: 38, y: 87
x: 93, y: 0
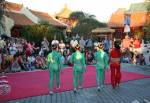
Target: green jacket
x: 101, y: 60
x: 54, y: 61
x: 78, y: 60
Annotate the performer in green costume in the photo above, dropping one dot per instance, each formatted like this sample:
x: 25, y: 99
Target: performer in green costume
x: 54, y: 66
x: 101, y: 64
x: 78, y: 59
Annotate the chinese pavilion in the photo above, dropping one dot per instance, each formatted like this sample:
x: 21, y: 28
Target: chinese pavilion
x: 139, y: 17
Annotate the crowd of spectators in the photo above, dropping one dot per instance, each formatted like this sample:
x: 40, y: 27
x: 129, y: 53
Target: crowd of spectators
x: 17, y: 54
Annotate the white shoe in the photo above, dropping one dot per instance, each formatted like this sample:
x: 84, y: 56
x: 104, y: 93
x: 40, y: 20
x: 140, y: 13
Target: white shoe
x: 51, y: 92
x: 75, y: 90
x: 98, y: 88
x: 58, y: 87
x: 80, y: 87
x: 103, y: 86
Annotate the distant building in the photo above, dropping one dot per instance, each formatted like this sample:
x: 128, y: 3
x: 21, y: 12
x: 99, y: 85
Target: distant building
x: 139, y: 17
x: 24, y: 16
x: 64, y: 16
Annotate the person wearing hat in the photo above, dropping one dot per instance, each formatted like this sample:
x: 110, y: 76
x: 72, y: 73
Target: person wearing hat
x: 115, y: 57
x: 101, y: 64
x: 78, y: 59
x: 54, y: 66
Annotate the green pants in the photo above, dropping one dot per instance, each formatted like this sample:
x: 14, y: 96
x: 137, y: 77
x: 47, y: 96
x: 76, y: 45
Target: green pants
x: 100, y: 76
x: 52, y: 73
x: 77, y: 74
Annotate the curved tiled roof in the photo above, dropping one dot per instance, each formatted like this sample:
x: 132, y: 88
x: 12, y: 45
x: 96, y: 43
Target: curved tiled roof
x: 137, y: 19
x: 117, y: 19
x: 47, y: 17
x: 13, y: 6
x: 19, y: 19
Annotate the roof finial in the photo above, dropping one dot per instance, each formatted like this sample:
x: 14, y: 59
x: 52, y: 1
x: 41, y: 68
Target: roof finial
x: 65, y: 6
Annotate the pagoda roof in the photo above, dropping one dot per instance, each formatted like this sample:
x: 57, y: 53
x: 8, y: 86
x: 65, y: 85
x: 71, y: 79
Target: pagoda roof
x: 64, y: 13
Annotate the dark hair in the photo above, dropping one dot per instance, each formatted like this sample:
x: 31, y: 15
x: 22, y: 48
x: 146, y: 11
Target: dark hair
x: 101, y: 46
x: 77, y: 47
x: 54, y: 46
x: 117, y: 45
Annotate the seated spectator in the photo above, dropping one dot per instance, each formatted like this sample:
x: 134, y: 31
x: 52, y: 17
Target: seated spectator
x: 89, y: 57
x: 15, y: 65
x: 22, y: 62
x: 142, y: 59
x: 39, y: 62
x: 147, y: 58
x: 31, y: 62
x: 126, y: 59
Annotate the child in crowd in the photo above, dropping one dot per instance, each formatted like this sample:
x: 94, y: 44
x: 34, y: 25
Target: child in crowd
x: 39, y: 62
x: 147, y: 58
x: 15, y: 65
x: 89, y: 57
x: 31, y: 62
x: 142, y: 59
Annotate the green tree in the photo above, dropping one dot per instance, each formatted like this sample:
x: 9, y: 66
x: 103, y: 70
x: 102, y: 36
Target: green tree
x: 37, y: 32
x: 86, y: 22
x: 79, y: 15
x: 147, y: 29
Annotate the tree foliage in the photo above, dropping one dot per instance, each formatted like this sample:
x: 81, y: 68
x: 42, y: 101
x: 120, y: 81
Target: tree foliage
x: 37, y: 32
x: 86, y: 23
x: 77, y: 15
x: 147, y: 29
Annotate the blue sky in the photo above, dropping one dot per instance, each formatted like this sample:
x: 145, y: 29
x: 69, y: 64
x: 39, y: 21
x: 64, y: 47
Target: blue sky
x: 102, y: 9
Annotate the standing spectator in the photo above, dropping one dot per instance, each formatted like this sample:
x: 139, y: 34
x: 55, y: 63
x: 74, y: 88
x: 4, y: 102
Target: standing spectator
x: 106, y: 43
x: 45, y: 45
x: 12, y: 49
x: 62, y: 46
x: 72, y: 44
x: 115, y: 56
x: 55, y: 41
x: 137, y: 44
x: 82, y: 43
x: 2, y: 43
x: 126, y: 43
x: 73, y: 41
x: 29, y: 49
x: 89, y: 43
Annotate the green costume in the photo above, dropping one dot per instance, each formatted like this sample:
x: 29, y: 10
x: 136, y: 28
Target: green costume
x: 54, y: 66
x: 78, y: 60
x: 101, y: 64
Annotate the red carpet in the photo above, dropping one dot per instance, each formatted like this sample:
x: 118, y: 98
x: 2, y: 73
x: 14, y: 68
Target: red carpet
x: 36, y: 83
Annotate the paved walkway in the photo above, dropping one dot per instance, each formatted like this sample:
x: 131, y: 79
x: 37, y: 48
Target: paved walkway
x: 126, y: 93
